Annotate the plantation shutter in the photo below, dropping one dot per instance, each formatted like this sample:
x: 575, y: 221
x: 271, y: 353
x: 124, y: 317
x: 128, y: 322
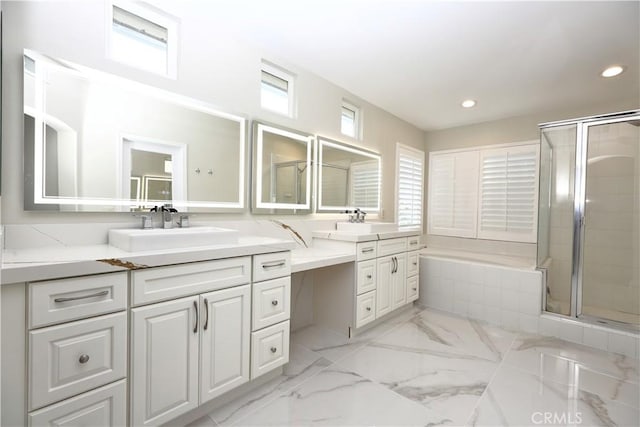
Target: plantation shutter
x: 453, y: 193
x: 508, y: 194
x: 409, y: 186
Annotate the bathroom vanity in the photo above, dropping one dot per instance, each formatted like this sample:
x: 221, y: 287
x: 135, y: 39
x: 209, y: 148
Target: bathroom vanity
x: 140, y: 338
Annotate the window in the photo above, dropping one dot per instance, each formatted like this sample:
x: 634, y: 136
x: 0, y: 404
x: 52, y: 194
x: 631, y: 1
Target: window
x: 486, y: 193
x: 350, y: 120
x: 409, y: 185
x: 508, y: 194
x: 143, y: 38
x: 277, y: 90
x: 453, y: 192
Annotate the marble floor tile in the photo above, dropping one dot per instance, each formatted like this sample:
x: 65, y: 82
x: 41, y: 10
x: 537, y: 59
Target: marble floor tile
x: 205, y: 421
x: 336, y: 397
x: 303, y: 364
x: 335, y: 346
x: 517, y: 397
x: 442, y: 362
x: 535, y: 352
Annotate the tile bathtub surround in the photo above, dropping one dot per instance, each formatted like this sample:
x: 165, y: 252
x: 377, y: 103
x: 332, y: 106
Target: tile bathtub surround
x: 512, y: 299
x: 433, y: 368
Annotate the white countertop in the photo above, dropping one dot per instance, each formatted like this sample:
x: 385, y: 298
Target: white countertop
x: 55, y: 262
x: 347, y: 236
x: 310, y: 258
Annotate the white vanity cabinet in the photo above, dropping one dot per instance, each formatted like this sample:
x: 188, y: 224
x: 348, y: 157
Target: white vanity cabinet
x: 386, y: 278
x: 187, y: 351
x: 77, y: 351
x: 271, y: 312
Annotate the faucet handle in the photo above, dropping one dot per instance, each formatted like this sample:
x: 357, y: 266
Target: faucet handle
x: 183, y: 221
x: 147, y: 221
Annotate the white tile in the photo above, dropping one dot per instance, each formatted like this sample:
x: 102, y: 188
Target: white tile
x: 447, y: 269
x: 510, y: 300
x: 492, y: 315
x: 476, y: 293
x: 594, y: 337
x: 528, y: 323
x: 477, y: 273
x: 492, y: 276
x: 461, y: 271
x: 622, y: 344
x: 510, y: 279
x: 531, y: 282
x: 549, y: 327
x: 476, y: 311
x: 529, y: 304
x: 571, y: 331
x: 491, y: 297
x: 461, y: 307
x: 509, y: 320
x: 461, y: 290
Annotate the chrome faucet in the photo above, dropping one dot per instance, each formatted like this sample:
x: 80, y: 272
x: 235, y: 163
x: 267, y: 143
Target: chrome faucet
x: 357, y: 215
x: 167, y: 215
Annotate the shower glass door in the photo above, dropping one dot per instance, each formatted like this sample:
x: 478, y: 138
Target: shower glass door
x: 610, y: 231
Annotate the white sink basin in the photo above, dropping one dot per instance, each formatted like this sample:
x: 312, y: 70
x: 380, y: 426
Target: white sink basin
x: 367, y: 227
x: 133, y: 240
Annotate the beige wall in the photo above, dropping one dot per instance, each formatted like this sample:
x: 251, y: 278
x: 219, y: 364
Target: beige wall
x: 514, y: 129
x: 223, y: 72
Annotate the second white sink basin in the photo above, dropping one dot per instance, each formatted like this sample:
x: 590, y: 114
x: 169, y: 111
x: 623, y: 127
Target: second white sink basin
x: 367, y: 227
x: 133, y: 240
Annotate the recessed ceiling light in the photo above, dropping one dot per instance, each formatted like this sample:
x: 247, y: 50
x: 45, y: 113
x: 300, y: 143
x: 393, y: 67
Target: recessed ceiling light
x: 613, y: 71
x: 468, y: 103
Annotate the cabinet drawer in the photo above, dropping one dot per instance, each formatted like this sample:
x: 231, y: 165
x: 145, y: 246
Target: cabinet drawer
x: 366, y: 280
x: 412, y: 263
x: 162, y: 283
x: 57, y: 301
x: 103, y: 407
x: 69, y: 359
x: 392, y: 246
x: 413, y: 243
x: 271, y: 302
x: 271, y: 266
x: 365, y: 251
x: 269, y: 348
x: 412, y: 288
x: 365, y: 308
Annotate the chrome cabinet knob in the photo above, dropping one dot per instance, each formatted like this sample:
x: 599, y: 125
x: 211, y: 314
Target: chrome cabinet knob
x: 368, y: 276
x: 274, y: 302
x: 368, y: 308
x: 273, y: 349
x: 84, y: 358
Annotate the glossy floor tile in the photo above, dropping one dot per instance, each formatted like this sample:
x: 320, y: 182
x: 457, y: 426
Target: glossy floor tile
x: 425, y: 367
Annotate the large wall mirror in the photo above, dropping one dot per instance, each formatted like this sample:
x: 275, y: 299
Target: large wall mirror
x: 97, y: 142
x: 348, y: 177
x: 282, y: 170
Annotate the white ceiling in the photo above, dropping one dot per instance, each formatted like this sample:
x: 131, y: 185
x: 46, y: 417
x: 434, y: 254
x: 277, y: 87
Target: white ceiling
x: 420, y: 59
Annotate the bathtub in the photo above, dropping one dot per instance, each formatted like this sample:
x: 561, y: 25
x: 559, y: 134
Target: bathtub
x: 481, y: 258
x: 501, y: 290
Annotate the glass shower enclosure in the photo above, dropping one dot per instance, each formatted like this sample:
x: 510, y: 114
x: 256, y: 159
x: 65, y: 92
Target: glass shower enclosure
x: 589, y: 218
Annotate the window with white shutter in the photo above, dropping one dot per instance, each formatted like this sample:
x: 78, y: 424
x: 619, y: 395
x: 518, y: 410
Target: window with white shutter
x: 453, y: 193
x: 508, y: 194
x: 409, y: 185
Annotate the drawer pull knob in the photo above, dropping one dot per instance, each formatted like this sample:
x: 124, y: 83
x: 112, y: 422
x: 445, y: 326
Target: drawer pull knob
x: 84, y: 358
x: 97, y: 294
x: 367, y: 250
x: 368, y: 276
x: 415, y: 263
x: 368, y: 308
x: 273, y: 349
x: 415, y: 289
x: 274, y: 302
x: 273, y: 265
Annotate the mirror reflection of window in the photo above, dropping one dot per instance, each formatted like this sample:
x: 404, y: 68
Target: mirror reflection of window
x: 152, y: 167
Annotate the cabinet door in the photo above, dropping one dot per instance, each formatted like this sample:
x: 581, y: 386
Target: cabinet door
x: 399, y: 282
x: 224, y: 340
x: 164, y: 359
x: 386, y: 266
x: 413, y: 291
